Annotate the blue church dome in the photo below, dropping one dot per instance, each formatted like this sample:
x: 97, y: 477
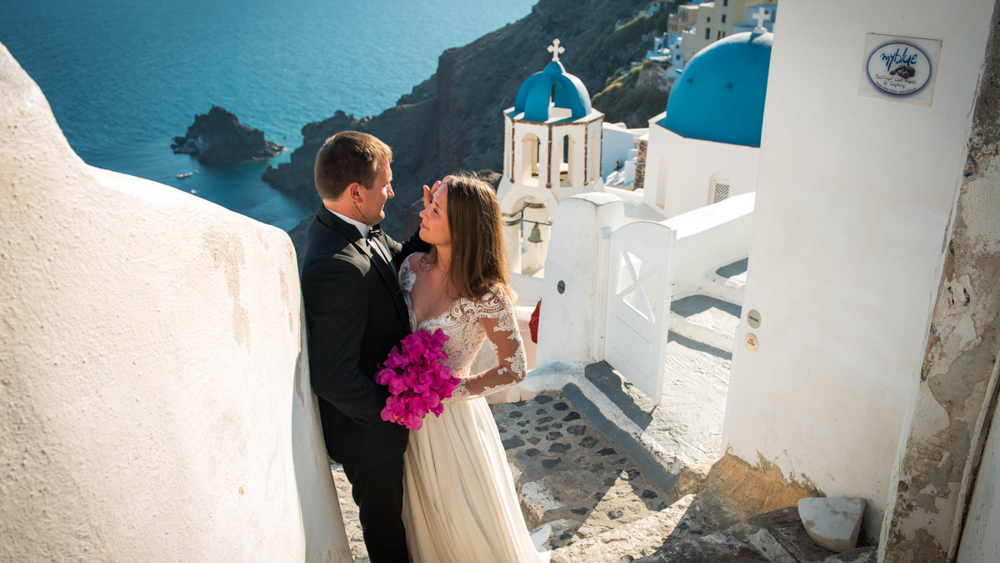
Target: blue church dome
x: 720, y: 94
x: 552, y: 87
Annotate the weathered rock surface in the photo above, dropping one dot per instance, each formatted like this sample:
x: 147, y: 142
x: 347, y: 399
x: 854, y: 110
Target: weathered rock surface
x: 453, y: 121
x: 654, y: 76
x: 219, y: 139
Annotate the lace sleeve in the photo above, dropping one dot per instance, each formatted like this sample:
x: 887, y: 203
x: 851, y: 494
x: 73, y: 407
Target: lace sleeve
x: 496, y: 313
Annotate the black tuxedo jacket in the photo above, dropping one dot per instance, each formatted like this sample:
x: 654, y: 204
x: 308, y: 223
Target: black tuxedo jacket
x: 355, y: 314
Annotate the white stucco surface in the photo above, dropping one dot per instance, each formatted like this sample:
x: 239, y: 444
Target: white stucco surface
x: 156, y: 396
x: 571, y: 322
x: 635, y: 208
x: 853, y: 206
x: 708, y: 238
x: 680, y: 172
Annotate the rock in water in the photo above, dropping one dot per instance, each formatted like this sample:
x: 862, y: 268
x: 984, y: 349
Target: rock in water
x: 219, y: 139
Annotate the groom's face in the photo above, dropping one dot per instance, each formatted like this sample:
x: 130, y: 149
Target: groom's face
x: 374, y: 198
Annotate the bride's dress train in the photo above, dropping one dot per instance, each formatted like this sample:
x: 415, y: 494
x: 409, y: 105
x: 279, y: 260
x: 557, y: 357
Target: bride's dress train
x: 459, y: 503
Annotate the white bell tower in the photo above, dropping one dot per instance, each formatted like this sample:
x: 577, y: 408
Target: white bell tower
x: 552, y: 150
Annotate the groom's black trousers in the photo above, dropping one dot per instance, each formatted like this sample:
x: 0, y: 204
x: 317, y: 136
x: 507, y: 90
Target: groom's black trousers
x: 378, y: 492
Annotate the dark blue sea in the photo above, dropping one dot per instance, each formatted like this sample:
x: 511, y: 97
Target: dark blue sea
x: 124, y: 77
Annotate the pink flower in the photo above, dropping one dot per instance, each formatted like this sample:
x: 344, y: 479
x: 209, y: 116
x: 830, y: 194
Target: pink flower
x: 416, y: 378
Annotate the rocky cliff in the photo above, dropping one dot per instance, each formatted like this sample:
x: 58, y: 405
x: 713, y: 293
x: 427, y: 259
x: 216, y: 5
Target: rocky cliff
x: 219, y: 139
x: 452, y: 121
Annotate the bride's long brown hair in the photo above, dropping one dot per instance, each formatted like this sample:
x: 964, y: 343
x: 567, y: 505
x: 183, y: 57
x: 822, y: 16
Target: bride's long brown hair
x: 478, y: 256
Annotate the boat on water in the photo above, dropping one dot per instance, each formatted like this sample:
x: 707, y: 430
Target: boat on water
x: 183, y: 175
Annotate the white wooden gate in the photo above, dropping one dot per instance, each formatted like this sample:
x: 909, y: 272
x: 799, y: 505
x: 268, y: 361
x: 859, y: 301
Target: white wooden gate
x: 639, y: 303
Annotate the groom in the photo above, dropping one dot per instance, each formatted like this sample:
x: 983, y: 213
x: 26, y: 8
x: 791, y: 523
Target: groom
x: 355, y: 314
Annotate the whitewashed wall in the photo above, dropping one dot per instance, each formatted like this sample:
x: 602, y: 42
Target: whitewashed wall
x: 618, y: 141
x: 852, y: 212
x: 571, y: 319
x: 708, y: 238
x: 156, y: 396
x: 679, y: 171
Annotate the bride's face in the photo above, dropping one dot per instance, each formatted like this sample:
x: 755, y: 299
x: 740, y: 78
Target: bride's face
x: 434, y: 219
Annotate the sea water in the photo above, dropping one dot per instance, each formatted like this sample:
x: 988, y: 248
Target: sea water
x: 123, y: 77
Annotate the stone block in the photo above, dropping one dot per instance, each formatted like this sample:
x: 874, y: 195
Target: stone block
x: 833, y: 523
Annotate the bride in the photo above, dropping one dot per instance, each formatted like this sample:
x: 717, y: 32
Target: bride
x: 459, y: 501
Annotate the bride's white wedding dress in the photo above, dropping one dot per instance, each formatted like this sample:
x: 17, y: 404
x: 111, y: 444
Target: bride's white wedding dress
x: 459, y: 502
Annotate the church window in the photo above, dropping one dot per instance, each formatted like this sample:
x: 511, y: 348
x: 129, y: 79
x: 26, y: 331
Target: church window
x: 708, y: 33
x: 708, y: 19
x: 723, y: 18
x: 718, y: 35
x: 718, y: 188
x: 725, y: 2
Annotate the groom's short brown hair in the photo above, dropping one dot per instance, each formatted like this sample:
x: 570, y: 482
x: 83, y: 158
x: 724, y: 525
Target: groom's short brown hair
x: 348, y: 157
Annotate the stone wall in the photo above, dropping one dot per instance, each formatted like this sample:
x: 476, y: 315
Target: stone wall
x: 640, y: 165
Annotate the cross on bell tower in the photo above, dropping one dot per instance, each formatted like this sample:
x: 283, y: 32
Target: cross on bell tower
x: 555, y: 49
x: 761, y: 16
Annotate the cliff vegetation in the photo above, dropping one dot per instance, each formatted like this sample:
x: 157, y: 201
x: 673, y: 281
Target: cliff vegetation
x: 625, y: 100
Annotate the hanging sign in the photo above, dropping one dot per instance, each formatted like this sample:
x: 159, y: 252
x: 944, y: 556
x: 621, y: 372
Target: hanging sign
x: 900, y: 68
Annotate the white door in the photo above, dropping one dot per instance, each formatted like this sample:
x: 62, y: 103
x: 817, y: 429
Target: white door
x: 639, y: 303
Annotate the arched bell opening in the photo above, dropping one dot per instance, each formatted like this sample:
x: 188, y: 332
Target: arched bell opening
x: 530, y: 156
x: 528, y: 228
x: 567, y: 164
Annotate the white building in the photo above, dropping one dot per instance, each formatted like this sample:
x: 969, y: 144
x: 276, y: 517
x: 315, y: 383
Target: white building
x: 705, y: 147
x: 713, y: 21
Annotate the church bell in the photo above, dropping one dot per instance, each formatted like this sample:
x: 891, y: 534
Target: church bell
x: 536, y: 234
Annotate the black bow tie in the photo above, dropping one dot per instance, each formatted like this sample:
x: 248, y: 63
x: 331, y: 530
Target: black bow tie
x: 374, y: 231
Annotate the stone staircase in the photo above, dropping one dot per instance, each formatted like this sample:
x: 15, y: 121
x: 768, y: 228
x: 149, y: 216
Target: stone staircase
x: 712, y: 316
x: 700, y: 524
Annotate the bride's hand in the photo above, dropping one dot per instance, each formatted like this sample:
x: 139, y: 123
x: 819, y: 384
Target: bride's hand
x: 429, y: 192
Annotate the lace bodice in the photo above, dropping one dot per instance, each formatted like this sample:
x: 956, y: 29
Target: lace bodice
x: 467, y: 323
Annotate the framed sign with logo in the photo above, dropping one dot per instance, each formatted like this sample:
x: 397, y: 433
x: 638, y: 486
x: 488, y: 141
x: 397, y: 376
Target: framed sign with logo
x: 902, y: 69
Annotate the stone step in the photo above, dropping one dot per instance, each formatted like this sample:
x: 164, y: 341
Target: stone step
x: 727, y: 283
x: 735, y: 273
x: 708, y: 320
x: 570, y: 474
x: 772, y: 537
x: 642, y: 537
x: 724, y: 289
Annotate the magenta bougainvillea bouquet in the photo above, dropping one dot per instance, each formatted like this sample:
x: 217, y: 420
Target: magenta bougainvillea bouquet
x: 416, y: 379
